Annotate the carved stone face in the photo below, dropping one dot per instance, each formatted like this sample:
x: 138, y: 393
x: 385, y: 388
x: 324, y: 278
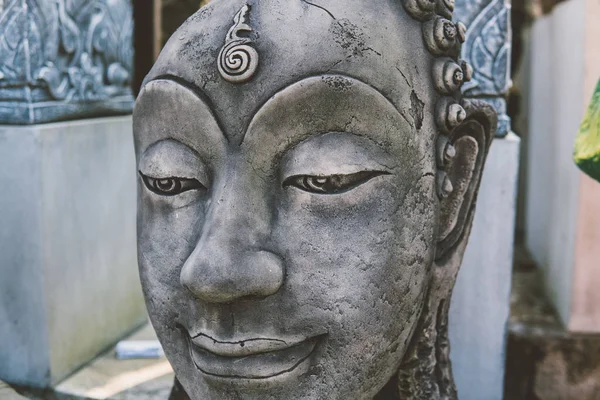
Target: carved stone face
x: 288, y: 224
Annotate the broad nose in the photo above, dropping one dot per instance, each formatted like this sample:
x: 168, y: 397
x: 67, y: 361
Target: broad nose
x: 230, y: 261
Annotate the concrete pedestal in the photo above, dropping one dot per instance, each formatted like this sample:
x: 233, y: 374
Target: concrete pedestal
x: 481, y: 301
x: 69, y: 286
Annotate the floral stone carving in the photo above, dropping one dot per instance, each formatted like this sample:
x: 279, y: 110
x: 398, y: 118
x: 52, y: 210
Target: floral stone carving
x: 487, y: 48
x: 64, y: 59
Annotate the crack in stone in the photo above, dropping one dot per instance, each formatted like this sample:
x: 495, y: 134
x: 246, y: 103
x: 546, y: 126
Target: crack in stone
x: 404, y: 76
x: 416, y: 109
x: 334, y: 65
x: 371, y: 49
x: 406, y: 118
x: 321, y: 7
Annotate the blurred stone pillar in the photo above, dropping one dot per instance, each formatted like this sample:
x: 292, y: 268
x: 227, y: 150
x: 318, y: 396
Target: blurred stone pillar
x: 562, y: 207
x: 68, y: 265
x: 481, y: 301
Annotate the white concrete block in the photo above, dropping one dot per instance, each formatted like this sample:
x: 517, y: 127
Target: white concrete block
x: 480, y: 304
x: 69, y: 284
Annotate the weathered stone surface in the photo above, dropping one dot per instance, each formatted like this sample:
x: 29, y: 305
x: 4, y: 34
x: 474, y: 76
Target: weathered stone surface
x: 68, y: 277
x: 301, y: 224
x: 487, y: 47
x: 64, y: 59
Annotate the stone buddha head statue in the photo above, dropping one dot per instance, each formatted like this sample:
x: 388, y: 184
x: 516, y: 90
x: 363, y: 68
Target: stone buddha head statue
x: 307, y: 182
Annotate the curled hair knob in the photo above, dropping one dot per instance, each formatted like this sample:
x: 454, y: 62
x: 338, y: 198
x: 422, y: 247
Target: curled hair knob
x: 461, y: 30
x: 445, y: 8
x: 448, y: 76
x: 421, y: 10
x: 440, y: 35
x: 449, y: 114
x: 467, y: 70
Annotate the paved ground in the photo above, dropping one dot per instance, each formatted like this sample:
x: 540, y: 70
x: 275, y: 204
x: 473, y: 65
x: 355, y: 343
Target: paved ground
x: 544, y: 360
x: 110, y: 378
x: 7, y: 393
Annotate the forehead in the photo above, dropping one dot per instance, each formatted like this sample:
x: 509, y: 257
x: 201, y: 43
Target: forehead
x: 374, y: 42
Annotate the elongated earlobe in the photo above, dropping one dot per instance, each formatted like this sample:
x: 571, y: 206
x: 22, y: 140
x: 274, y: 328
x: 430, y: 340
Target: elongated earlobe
x: 461, y: 157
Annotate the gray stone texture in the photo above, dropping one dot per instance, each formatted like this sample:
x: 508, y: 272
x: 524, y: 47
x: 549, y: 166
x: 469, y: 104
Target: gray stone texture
x: 488, y: 50
x: 487, y: 47
x: 301, y: 224
x: 68, y: 278
x: 63, y: 59
x: 480, y: 303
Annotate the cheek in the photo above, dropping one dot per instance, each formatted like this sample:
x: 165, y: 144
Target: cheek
x: 365, y: 259
x: 166, y: 237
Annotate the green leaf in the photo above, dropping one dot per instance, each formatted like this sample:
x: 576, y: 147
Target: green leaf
x: 587, y: 145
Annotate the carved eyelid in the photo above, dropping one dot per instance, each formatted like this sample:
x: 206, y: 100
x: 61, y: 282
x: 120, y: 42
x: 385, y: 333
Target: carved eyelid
x: 335, y: 153
x: 172, y: 186
x: 162, y: 178
x: 169, y: 158
x: 332, y: 184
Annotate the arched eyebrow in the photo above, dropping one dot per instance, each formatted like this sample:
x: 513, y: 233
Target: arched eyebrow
x: 192, y: 87
x: 318, y: 106
x: 188, y: 85
x: 273, y: 97
x: 204, y: 97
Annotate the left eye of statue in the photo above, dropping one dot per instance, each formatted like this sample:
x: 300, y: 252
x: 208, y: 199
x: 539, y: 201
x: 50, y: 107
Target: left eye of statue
x: 171, y: 186
x: 331, y: 184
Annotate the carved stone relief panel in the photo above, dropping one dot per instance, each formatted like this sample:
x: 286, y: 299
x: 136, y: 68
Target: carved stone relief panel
x: 64, y: 59
x: 487, y: 48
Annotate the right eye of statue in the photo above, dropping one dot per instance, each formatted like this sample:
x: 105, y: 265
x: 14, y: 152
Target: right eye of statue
x: 171, y: 186
x: 331, y: 184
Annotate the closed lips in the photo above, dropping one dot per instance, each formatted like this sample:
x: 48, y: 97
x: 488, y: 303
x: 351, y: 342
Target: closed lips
x: 249, y: 359
x: 239, y: 348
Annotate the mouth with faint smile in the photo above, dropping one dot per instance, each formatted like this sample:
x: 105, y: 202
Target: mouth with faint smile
x: 252, y: 358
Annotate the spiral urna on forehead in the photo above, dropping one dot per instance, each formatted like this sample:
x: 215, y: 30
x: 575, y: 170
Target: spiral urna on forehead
x: 238, y: 60
x: 443, y: 39
x: 294, y: 40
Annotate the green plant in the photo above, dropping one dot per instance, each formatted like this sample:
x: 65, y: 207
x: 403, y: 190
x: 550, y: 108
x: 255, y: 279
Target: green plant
x: 587, y: 145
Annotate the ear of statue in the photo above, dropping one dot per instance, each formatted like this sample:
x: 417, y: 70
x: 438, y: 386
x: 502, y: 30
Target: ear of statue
x: 462, y: 159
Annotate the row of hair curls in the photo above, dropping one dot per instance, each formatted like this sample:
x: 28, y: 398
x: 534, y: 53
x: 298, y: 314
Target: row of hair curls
x: 443, y: 39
